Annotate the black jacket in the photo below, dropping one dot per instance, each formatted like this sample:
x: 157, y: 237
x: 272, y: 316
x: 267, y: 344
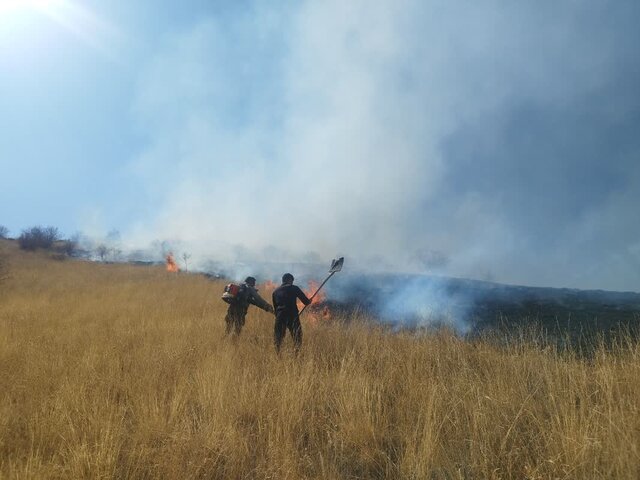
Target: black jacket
x: 284, y: 299
x: 249, y: 295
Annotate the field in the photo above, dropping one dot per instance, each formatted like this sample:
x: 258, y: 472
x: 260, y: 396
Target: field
x: 118, y: 371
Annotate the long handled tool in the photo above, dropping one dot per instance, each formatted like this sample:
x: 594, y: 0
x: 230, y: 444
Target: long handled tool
x: 336, y: 266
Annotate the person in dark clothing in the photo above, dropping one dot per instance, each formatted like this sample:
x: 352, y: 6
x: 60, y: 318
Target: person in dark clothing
x: 237, y: 311
x: 286, y: 308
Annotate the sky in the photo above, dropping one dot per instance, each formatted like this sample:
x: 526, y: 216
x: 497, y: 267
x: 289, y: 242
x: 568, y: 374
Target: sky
x: 490, y: 140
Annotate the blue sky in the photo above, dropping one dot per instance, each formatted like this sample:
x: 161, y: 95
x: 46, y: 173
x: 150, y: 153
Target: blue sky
x: 501, y: 137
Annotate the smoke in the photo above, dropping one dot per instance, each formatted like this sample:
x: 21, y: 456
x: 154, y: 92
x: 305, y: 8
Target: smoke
x: 409, y: 300
x: 485, y: 140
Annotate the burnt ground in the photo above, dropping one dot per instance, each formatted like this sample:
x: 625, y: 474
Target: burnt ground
x: 479, y: 306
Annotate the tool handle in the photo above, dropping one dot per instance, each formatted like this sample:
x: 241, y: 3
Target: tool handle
x: 316, y: 292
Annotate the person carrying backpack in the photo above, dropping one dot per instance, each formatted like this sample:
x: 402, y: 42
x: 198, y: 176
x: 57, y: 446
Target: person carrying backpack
x: 244, y: 295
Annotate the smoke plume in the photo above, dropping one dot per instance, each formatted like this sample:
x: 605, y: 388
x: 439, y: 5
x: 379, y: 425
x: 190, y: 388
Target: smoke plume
x: 489, y: 140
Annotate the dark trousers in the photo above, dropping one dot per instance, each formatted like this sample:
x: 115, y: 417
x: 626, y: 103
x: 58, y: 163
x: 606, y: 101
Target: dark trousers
x: 234, y: 320
x: 284, y: 321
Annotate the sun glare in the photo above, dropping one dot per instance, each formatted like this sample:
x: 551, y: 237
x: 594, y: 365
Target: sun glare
x: 71, y: 15
x: 8, y: 6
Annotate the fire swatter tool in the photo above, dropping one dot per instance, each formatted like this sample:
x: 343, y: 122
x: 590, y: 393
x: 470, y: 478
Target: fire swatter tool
x: 336, y: 266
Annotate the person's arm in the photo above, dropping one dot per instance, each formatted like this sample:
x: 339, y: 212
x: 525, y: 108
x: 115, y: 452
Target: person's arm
x: 303, y: 298
x: 258, y: 301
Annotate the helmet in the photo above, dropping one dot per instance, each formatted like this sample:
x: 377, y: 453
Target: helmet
x: 250, y: 281
x: 287, y: 278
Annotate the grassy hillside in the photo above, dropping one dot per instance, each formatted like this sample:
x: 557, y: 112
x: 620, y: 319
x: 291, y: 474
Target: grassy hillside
x: 116, y: 371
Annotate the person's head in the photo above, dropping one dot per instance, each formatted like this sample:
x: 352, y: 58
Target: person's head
x: 287, y: 278
x: 250, y: 281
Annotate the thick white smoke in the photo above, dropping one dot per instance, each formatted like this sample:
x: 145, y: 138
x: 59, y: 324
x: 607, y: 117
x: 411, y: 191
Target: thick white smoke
x: 298, y: 132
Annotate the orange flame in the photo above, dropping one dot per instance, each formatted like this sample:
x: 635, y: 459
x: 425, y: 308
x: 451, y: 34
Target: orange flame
x: 172, y: 266
x: 316, y: 310
x: 269, y: 286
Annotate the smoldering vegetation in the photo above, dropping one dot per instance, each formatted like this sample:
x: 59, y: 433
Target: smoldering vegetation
x: 472, y: 306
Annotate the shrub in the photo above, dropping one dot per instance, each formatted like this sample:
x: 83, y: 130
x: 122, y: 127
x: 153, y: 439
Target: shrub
x: 38, y: 237
x: 68, y: 247
x: 4, y: 231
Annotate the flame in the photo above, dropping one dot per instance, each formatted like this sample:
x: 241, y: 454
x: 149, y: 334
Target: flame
x: 316, y: 310
x: 172, y: 266
x: 269, y: 286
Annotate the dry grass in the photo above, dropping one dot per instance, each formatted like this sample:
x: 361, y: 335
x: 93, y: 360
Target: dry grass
x: 114, y: 371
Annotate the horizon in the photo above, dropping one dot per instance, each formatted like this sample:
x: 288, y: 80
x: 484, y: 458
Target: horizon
x: 237, y: 271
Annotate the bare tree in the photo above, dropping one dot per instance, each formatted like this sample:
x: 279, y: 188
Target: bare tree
x: 185, y: 257
x: 102, y: 250
x: 4, y: 231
